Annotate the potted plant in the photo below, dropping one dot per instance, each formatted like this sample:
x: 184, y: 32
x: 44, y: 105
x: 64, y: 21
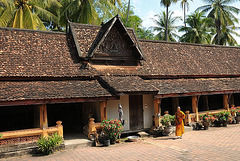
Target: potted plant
x: 167, y: 127
x: 206, y: 120
x: 237, y: 115
x: 172, y: 119
x: 112, y: 129
x: 224, y: 117
x: 233, y: 111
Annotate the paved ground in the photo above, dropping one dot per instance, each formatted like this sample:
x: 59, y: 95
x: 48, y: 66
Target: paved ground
x: 214, y: 144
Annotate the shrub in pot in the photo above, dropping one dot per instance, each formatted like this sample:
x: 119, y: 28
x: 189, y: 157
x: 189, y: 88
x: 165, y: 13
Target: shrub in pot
x: 47, y: 145
x: 166, y: 122
x: 237, y: 115
x: 224, y: 117
x: 112, y: 128
x: 206, y: 119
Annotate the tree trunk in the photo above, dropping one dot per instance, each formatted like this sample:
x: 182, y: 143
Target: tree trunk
x: 128, y: 12
x: 218, y: 32
x: 166, y: 32
x: 184, y: 16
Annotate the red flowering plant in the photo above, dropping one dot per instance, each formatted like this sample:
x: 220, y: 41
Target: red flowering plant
x: 207, y: 118
x: 224, y: 116
x: 238, y: 111
x: 112, y: 128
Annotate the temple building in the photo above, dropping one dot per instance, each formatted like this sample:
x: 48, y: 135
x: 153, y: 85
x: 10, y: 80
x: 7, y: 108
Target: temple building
x: 85, y: 73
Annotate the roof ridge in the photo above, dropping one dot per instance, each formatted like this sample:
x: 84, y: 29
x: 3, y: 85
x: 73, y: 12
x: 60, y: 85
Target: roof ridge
x: 185, y: 43
x: 29, y: 30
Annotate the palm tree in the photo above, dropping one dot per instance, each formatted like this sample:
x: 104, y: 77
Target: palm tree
x: 162, y: 28
x: 26, y: 14
x: 226, y: 37
x: 88, y: 11
x: 185, y: 7
x: 222, y: 13
x: 198, y: 29
x: 167, y: 4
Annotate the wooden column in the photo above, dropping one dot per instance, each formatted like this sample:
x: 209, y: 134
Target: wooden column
x: 225, y: 102
x: 175, y: 104
x: 187, y: 118
x: 157, y: 111
x: 195, y: 106
x: 43, y: 116
x: 103, y: 110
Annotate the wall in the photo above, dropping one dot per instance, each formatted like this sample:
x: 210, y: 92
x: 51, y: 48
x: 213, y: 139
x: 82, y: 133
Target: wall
x: 149, y: 111
x: 112, y: 110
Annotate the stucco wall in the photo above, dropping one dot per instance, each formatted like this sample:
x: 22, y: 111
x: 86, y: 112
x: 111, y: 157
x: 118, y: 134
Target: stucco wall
x: 148, y: 107
x: 112, y: 110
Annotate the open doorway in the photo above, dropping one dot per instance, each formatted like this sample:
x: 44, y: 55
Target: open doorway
x: 74, y: 117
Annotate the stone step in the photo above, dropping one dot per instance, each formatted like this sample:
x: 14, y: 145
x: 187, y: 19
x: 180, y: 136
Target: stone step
x: 16, y: 147
x: 20, y: 149
x: 19, y: 152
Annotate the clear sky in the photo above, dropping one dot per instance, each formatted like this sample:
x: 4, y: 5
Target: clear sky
x: 146, y: 9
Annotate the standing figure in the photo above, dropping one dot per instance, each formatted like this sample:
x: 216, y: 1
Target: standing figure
x: 179, y: 116
x: 120, y: 111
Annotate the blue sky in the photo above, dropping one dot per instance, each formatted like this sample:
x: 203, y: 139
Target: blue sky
x: 146, y: 9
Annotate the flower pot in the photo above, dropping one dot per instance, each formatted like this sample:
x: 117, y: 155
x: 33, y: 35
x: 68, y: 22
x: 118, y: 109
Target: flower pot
x: 205, y: 125
x: 112, y: 141
x: 167, y: 130
x: 106, y: 142
x: 224, y: 123
x: 237, y: 119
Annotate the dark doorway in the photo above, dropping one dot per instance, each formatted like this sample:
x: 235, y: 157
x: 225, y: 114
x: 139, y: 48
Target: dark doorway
x: 17, y: 117
x: 70, y: 115
x: 136, y: 112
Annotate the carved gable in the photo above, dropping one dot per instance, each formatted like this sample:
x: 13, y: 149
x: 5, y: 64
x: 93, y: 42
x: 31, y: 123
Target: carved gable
x: 114, y: 46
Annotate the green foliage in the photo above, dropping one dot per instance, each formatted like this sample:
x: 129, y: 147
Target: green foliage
x: 46, y: 145
x: 160, y: 26
x: 207, y: 118
x: 167, y: 120
x: 224, y: 16
x: 112, y: 128
x: 198, y: 29
x: 27, y: 14
x: 238, y: 111
x: 224, y: 116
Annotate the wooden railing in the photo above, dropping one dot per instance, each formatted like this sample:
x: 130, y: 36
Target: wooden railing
x: 191, y: 117
x: 33, y: 132
x: 93, y: 127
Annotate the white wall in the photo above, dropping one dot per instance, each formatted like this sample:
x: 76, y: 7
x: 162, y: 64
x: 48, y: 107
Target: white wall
x: 149, y: 111
x: 112, y: 110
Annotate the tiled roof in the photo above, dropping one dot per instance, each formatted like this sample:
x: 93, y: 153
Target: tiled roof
x: 26, y: 53
x: 181, y: 86
x: 179, y: 59
x: 128, y: 84
x: 38, y: 90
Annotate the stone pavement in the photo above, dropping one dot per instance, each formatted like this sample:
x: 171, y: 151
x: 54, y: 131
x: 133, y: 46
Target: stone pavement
x: 214, y: 144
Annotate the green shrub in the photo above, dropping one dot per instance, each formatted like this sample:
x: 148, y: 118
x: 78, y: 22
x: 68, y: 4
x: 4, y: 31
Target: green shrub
x: 46, y: 145
x: 112, y: 128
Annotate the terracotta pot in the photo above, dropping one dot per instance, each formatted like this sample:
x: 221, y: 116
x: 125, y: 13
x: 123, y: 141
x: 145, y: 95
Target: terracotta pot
x: 206, y: 125
x: 224, y: 123
x: 167, y: 130
x: 112, y: 141
x: 106, y: 142
x: 237, y: 119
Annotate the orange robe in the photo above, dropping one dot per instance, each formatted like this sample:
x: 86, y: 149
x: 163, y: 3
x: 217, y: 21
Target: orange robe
x: 179, y: 116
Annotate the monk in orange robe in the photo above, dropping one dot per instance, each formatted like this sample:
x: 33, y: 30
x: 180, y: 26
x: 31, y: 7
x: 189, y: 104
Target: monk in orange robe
x: 179, y: 116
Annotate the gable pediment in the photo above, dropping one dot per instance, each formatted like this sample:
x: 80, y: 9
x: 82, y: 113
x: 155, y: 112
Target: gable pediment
x: 113, y: 44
